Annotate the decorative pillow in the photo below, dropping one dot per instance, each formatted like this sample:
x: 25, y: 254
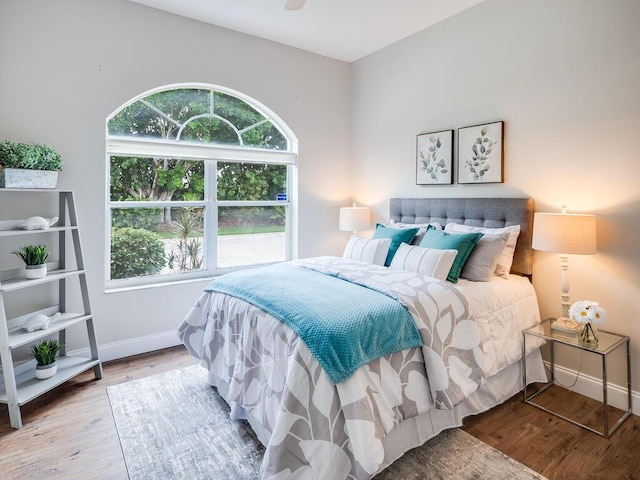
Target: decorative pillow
x: 506, y: 257
x: 422, y: 228
x: 367, y: 250
x: 397, y: 236
x: 463, y: 243
x: 482, y: 261
x: 429, y: 261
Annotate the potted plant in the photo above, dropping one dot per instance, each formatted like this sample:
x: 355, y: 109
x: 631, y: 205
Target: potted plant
x: 28, y: 165
x: 35, y: 258
x: 46, y: 353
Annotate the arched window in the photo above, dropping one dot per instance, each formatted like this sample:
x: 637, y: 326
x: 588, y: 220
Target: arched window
x: 200, y: 181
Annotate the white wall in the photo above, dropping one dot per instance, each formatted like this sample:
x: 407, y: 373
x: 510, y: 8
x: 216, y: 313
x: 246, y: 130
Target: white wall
x: 65, y: 65
x: 564, y: 77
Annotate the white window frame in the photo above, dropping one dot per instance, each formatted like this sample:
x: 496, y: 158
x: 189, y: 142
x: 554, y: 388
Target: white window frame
x: 210, y: 154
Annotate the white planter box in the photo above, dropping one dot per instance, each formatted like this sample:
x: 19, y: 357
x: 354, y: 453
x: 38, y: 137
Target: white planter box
x: 22, y: 178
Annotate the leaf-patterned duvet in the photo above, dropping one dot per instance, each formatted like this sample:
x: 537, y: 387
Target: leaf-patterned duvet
x: 311, y: 428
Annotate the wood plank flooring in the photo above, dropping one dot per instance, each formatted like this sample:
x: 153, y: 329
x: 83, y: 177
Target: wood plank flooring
x: 558, y: 449
x: 69, y: 432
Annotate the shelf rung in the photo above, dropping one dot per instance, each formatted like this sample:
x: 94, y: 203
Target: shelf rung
x: 19, y: 337
x: 30, y: 387
x: 52, y: 276
x: 16, y: 232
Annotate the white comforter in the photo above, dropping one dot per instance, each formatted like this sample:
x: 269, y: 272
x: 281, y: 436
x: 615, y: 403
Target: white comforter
x: 268, y: 375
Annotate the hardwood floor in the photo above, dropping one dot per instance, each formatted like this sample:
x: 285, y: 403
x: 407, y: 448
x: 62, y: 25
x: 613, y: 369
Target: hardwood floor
x: 69, y: 432
x: 558, y: 449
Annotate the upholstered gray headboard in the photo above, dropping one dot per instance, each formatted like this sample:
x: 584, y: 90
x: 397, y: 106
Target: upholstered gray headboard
x: 479, y: 212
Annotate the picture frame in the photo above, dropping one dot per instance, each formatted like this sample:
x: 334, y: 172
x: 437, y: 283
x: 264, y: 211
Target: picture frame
x: 480, y: 153
x: 434, y: 158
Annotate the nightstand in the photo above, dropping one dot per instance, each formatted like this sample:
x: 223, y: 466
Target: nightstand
x: 607, y: 344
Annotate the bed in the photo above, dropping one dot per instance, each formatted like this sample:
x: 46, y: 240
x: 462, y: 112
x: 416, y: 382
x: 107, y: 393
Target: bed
x: 317, y: 421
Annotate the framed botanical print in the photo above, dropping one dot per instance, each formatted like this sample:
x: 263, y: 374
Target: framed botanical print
x: 434, y: 158
x: 480, y: 153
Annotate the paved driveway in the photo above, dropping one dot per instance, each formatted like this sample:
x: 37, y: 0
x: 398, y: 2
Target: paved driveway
x: 246, y: 249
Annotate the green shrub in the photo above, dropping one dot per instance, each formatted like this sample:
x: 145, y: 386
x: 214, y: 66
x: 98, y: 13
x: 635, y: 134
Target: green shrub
x: 29, y: 156
x: 147, y: 218
x: 135, y: 252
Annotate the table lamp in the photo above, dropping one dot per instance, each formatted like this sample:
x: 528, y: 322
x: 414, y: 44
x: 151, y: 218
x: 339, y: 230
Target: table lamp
x: 354, y: 218
x: 565, y: 234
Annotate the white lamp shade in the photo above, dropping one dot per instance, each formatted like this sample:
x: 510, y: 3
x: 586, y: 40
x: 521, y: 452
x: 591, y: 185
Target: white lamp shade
x: 353, y: 219
x: 564, y: 233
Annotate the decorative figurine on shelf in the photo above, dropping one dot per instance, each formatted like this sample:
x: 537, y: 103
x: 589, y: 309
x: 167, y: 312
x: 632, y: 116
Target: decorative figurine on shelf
x: 588, y: 314
x: 39, y: 322
x: 37, y: 223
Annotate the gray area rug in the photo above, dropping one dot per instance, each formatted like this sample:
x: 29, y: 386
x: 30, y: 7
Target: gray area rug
x: 174, y: 426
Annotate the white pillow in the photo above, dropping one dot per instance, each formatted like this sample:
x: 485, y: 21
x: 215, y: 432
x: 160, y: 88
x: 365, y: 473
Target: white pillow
x: 422, y: 228
x: 368, y: 250
x: 428, y: 261
x: 505, y: 260
x: 483, y: 259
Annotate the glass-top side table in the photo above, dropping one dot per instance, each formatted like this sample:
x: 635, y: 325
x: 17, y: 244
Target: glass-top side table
x: 608, y: 342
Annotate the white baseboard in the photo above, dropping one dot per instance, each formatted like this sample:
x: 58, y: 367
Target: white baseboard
x: 592, y: 387
x: 133, y: 346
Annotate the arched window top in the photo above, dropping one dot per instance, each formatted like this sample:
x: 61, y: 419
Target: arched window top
x: 200, y: 114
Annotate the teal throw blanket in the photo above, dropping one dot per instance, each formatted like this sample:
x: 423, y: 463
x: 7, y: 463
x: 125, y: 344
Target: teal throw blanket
x: 345, y: 325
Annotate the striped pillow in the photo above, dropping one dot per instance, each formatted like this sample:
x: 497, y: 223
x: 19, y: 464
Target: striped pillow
x: 428, y: 261
x: 368, y: 250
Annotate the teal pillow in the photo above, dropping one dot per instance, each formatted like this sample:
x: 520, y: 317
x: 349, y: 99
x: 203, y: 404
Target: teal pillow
x: 464, y: 243
x: 397, y: 236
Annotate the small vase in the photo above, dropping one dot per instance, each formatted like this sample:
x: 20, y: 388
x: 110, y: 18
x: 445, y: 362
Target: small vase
x: 588, y: 335
x: 46, y: 371
x: 36, y: 271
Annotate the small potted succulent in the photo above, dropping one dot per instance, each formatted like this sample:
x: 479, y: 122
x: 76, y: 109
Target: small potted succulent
x: 35, y: 259
x: 46, y: 354
x: 28, y: 165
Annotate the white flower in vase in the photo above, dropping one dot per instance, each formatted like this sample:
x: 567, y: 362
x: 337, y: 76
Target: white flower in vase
x: 588, y: 313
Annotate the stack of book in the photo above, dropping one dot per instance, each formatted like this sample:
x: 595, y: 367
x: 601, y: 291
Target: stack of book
x: 566, y: 325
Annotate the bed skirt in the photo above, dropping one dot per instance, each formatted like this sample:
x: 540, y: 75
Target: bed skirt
x: 413, y: 432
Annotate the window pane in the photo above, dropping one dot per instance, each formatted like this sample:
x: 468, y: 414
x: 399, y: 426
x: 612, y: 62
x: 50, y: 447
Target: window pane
x: 143, y: 243
x: 141, y: 179
x: 137, y: 249
x: 161, y: 114
x: 235, y: 110
x: 265, y: 136
x: 249, y: 181
x: 251, y: 235
x: 181, y: 104
x: 210, y: 130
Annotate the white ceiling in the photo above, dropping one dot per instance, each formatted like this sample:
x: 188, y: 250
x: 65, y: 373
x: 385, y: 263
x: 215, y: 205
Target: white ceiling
x: 342, y: 29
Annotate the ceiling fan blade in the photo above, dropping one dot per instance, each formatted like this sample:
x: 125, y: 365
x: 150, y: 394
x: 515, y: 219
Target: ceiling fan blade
x: 294, y: 4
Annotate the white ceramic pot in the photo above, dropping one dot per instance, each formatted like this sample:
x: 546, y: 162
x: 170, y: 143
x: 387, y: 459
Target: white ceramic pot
x: 36, y: 271
x: 46, y: 371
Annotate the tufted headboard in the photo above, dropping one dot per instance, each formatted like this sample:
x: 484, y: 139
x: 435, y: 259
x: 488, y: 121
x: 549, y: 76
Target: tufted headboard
x: 479, y: 212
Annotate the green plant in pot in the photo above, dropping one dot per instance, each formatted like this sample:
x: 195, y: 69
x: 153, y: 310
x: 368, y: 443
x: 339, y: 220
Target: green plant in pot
x: 46, y: 354
x: 35, y: 259
x: 28, y: 165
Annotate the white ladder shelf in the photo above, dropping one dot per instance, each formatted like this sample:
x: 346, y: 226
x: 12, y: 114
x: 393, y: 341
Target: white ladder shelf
x: 20, y: 387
